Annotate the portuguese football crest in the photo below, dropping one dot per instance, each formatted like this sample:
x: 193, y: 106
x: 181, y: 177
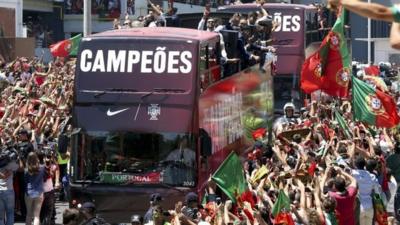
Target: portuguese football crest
x: 68, y: 46
x: 334, y: 41
x: 374, y: 104
x: 343, y: 76
x: 318, y: 70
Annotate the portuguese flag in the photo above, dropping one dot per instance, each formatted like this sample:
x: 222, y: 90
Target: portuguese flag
x: 329, y: 69
x: 373, y: 106
x: 281, y: 210
x: 66, y: 47
x: 230, y: 177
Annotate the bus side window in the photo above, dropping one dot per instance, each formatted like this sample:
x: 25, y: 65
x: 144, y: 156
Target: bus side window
x: 205, y: 143
x: 214, y: 63
x: 204, y: 71
x: 210, y: 68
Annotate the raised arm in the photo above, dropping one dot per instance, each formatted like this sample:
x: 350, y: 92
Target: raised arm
x: 155, y: 8
x: 387, y: 138
x: 353, y: 181
x: 317, y: 198
x: 395, y: 35
x: 370, y: 10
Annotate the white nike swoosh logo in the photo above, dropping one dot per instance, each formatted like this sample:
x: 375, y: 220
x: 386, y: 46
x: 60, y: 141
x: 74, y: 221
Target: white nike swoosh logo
x: 110, y: 113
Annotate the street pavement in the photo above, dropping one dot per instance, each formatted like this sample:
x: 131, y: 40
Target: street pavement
x: 60, y: 207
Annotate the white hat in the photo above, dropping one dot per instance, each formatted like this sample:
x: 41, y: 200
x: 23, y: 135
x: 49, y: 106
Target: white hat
x: 289, y: 105
x: 360, y: 73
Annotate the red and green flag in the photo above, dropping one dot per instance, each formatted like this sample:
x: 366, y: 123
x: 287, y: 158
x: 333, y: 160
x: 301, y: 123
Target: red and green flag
x: 281, y: 210
x: 373, y: 106
x: 281, y: 204
x: 66, y: 47
x: 230, y: 177
x: 329, y: 69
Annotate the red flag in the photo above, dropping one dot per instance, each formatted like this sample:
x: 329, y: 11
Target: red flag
x: 284, y: 218
x: 310, y: 79
x: 311, y: 169
x: 385, y: 179
x: 390, y: 117
x: 248, y: 196
x: 60, y: 49
x: 372, y: 70
x: 259, y: 133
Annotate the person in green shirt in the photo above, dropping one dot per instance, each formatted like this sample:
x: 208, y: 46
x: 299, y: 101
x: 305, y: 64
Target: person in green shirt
x: 374, y: 11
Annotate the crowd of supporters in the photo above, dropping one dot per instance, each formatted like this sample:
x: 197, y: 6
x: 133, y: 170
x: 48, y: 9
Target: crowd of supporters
x: 317, y: 169
x: 326, y: 174
x: 34, y: 128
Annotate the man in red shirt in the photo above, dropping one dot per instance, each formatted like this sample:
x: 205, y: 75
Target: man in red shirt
x: 345, y: 197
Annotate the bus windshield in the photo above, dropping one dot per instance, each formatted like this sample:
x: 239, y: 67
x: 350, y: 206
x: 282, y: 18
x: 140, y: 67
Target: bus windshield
x: 123, y: 158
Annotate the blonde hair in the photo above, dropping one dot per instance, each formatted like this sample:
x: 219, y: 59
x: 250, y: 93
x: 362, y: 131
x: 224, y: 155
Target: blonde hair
x: 313, y: 217
x: 32, y: 162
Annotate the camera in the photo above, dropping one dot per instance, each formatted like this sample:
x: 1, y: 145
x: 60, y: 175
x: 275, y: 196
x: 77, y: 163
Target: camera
x: 23, y: 150
x: 8, y: 154
x: 218, y: 200
x: 46, y: 153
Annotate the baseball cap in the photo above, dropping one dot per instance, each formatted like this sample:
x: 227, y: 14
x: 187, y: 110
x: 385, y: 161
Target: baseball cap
x: 155, y: 197
x: 191, y: 197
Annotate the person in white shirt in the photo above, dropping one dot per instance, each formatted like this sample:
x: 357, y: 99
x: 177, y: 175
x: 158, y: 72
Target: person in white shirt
x: 159, y: 16
x: 367, y: 184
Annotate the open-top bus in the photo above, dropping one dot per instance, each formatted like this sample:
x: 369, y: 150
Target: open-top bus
x: 154, y: 116
x: 296, y: 37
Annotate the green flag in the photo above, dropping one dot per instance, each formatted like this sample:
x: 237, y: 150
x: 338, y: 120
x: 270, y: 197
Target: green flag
x: 230, y: 177
x: 342, y: 124
x: 75, y: 44
x: 282, y: 203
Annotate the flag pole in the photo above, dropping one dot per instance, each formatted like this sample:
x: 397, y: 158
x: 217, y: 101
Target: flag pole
x: 87, y: 18
x: 369, y: 39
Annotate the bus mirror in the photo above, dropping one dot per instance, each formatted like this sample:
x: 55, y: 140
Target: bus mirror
x: 205, y: 143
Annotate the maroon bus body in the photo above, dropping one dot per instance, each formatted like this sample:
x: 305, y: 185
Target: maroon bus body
x: 187, y: 111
